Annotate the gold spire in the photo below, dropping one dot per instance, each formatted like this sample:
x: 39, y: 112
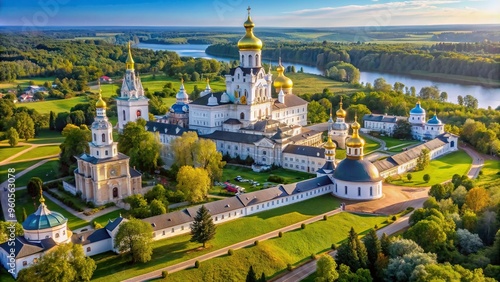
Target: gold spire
x: 355, y: 140
x: 282, y: 81
x: 100, y: 102
x: 249, y: 41
x: 130, y: 60
x: 340, y: 112
x: 42, y: 200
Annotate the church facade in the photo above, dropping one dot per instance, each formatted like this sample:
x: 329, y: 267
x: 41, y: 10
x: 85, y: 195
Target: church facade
x: 104, y: 175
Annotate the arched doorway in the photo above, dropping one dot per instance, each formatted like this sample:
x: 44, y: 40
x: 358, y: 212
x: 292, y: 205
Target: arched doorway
x: 242, y: 115
x: 115, y: 192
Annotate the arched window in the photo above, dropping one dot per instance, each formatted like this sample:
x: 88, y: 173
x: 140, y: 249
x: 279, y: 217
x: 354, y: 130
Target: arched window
x: 359, y: 191
x: 256, y: 60
x: 346, y: 190
x: 57, y: 235
x: 124, y: 117
x: 371, y: 191
x: 88, y: 249
x: 115, y: 192
x: 138, y: 113
x: 355, y: 151
x: 264, y: 153
x: 242, y: 115
x: 249, y: 60
x: 95, y: 137
x: 242, y: 61
x: 103, y: 137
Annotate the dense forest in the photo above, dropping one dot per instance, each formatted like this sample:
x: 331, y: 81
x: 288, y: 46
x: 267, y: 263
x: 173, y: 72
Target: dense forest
x: 479, y: 60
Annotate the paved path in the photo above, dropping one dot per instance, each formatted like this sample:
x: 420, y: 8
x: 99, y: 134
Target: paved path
x: 223, y: 251
x: 309, y: 268
x: 78, y: 214
x: 4, y: 194
x: 32, y: 146
x: 477, y: 161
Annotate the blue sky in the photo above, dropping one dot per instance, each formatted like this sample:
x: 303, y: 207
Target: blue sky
x: 291, y: 13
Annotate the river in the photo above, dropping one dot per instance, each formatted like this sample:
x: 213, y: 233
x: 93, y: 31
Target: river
x: 485, y: 96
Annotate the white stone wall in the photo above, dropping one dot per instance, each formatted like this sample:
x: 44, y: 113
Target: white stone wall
x: 127, y: 111
x: 357, y: 190
x: 98, y: 247
x: 302, y: 163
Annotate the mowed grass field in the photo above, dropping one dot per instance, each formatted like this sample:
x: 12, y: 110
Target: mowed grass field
x: 25, y: 82
x: 490, y: 179
x: 396, y: 145
x: 272, y: 256
x: 7, y: 151
x: 56, y: 105
x: 39, y: 152
x: 111, y: 267
x: 47, y: 171
x: 290, y: 176
x: 305, y: 83
x: 440, y: 170
x: 18, y: 167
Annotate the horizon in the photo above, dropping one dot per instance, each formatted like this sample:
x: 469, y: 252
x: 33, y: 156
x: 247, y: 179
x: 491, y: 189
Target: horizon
x: 226, y: 13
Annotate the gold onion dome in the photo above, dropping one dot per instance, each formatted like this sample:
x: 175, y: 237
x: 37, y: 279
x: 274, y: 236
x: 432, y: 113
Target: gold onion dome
x: 100, y: 102
x: 355, y: 140
x: 282, y: 81
x: 340, y: 112
x: 329, y: 144
x: 249, y: 41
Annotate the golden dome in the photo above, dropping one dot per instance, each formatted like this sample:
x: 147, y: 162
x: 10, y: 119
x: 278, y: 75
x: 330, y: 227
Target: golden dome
x: 329, y: 145
x: 282, y: 81
x: 355, y: 140
x: 340, y: 112
x: 100, y: 102
x: 249, y: 41
x: 130, y: 60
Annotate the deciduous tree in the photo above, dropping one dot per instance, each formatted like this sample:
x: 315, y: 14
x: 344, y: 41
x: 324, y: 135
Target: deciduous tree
x: 326, y: 269
x: 203, y: 228
x: 12, y: 136
x: 76, y: 142
x: 135, y: 237
x: 423, y: 160
x: 24, y: 125
x: 194, y: 183
x: 402, y: 130
x: 434, y: 235
x: 477, y: 199
x: 66, y: 263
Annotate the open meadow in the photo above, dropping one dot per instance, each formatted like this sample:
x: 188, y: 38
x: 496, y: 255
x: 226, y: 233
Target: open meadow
x: 440, y: 170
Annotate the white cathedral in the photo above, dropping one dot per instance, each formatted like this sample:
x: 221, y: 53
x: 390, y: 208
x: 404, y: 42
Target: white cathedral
x: 245, y: 120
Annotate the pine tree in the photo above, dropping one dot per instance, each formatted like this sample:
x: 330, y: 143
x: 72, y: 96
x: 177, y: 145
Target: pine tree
x: 361, y: 251
x: 347, y: 252
x: 203, y: 227
x: 385, y: 242
x: 52, y: 121
x: 373, y: 248
x: 262, y: 278
x: 251, y: 276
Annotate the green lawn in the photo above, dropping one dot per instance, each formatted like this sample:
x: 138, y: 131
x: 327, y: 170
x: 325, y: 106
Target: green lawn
x: 490, y: 174
x: 305, y: 83
x: 25, y: 82
x: 46, y: 136
x: 370, y: 146
x: 440, y: 170
x: 272, y: 256
x: 103, y: 219
x: 47, y: 171
x: 170, y: 251
x: 23, y: 200
x: 39, y: 152
x: 392, y: 142
x: 7, y: 151
x: 18, y: 167
x: 56, y: 105
x: 290, y: 176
